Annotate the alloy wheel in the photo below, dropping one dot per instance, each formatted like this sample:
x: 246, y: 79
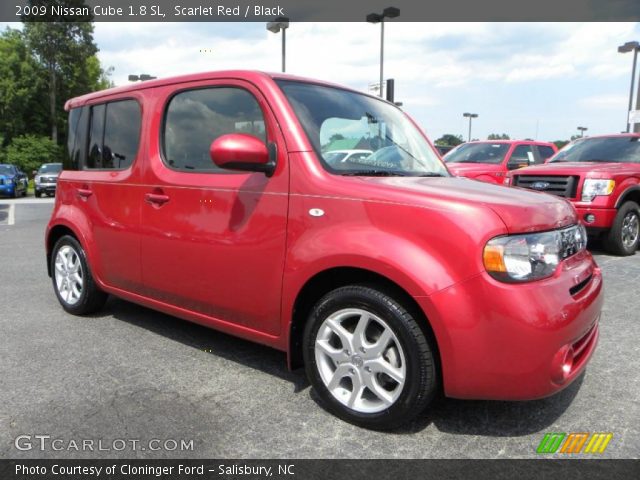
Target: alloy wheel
x: 630, y: 229
x: 68, y: 275
x: 360, y: 360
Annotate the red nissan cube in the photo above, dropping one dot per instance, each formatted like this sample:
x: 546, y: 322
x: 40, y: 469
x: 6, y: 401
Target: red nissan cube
x: 210, y: 197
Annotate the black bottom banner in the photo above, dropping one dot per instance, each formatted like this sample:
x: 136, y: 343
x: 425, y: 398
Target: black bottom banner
x: 318, y: 469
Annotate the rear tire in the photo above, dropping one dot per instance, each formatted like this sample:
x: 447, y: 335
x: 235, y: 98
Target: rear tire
x: 368, y: 359
x: 73, y: 283
x: 624, y: 236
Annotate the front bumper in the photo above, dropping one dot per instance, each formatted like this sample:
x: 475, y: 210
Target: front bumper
x: 45, y: 187
x: 602, y: 217
x: 505, y: 341
x: 8, y: 190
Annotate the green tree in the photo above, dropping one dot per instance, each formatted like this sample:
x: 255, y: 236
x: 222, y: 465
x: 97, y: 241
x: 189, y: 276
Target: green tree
x: 63, y: 49
x: 30, y: 151
x: 449, y: 140
x: 560, y: 143
x: 23, y: 89
x: 498, y: 136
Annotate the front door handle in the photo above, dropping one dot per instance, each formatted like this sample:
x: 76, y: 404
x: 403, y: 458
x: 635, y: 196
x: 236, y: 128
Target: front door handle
x: 84, y: 193
x: 156, y: 199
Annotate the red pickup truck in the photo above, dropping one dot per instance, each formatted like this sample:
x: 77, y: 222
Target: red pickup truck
x: 489, y: 161
x: 213, y: 197
x: 601, y: 177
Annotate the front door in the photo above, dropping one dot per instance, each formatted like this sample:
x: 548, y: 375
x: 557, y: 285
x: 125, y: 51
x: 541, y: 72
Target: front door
x: 213, y: 240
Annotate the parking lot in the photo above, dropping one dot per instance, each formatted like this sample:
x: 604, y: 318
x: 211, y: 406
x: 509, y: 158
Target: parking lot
x: 132, y: 373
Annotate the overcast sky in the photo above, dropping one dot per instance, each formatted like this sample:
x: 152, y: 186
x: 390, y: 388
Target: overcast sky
x: 537, y: 80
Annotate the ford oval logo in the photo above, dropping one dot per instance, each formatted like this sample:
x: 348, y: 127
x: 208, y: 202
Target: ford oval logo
x: 540, y: 185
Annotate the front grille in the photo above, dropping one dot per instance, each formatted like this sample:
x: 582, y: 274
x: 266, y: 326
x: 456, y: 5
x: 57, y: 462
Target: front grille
x: 49, y: 179
x: 562, y: 186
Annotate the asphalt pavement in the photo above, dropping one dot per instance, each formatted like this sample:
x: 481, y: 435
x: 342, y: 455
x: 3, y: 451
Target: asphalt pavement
x: 132, y: 374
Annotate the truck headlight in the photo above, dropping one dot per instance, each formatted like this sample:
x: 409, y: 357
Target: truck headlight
x: 593, y: 187
x: 523, y: 258
x: 37, y: 179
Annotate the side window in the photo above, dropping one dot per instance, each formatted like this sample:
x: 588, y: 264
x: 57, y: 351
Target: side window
x: 72, y: 159
x: 195, y: 118
x: 114, y: 135
x: 521, y: 157
x: 545, y: 152
x: 94, y: 157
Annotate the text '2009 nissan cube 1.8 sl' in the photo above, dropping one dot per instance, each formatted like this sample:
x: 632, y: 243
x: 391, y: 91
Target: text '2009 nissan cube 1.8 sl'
x: 209, y: 197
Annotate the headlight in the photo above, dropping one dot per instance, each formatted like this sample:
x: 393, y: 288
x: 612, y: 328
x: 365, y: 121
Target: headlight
x: 37, y: 179
x: 523, y: 258
x: 593, y: 187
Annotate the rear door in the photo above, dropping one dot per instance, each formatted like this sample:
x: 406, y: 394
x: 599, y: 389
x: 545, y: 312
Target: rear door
x: 214, y: 240
x: 103, y: 188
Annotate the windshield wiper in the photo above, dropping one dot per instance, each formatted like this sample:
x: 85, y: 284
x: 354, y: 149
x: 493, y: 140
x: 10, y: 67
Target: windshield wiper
x: 430, y: 174
x: 375, y: 173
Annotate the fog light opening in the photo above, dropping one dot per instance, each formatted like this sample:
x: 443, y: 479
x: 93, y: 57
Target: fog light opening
x: 563, y: 364
x: 589, y: 218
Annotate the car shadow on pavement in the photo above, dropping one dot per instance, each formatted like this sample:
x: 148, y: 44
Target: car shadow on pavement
x: 464, y: 417
x: 209, y: 341
x: 501, y: 418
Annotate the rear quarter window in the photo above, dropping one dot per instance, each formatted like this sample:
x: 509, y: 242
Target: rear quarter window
x: 114, y: 135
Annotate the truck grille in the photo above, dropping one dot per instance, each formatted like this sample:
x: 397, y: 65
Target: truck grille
x: 563, y: 186
x: 49, y: 179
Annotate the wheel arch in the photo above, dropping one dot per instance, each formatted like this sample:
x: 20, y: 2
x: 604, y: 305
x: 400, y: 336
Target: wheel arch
x: 327, y: 280
x: 54, y: 234
x: 630, y: 194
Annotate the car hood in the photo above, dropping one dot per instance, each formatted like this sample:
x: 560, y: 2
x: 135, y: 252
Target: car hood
x: 577, y: 168
x: 520, y: 210
x: 471, y: 168
x: 6, y: 177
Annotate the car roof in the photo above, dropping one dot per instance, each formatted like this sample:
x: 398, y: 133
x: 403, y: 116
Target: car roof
x: 509, y: 142
x: 611, y: 135
x: 248, y: 75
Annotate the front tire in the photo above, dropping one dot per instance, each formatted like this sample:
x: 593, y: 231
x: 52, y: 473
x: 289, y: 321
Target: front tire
x: 368, y: 359
x: 624, y: 236
x: 73, y: 283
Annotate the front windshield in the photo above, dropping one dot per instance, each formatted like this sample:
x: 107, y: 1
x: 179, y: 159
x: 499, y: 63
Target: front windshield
x: 336, y: 119
x: 6, y: 170
x: 50, y: 168
x: 478, y: 153
x: 601, y: 149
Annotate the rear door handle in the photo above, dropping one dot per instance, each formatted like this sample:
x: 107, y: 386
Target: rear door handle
x: 157, y: 199
x: 84, y: 192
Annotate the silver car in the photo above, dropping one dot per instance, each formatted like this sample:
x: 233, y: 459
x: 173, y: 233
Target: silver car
x: 46, y: 178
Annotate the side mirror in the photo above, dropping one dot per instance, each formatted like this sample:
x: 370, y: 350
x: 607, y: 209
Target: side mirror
x: 515, y: 164
x: 239, y: 151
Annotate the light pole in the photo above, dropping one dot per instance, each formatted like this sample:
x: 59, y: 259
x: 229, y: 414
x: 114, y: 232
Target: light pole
x: 631, y: 47
x: 470, y: 116
x: 142, y: 77
x: 389, y: 12
x: 281, y: 23
x: 582, y: 130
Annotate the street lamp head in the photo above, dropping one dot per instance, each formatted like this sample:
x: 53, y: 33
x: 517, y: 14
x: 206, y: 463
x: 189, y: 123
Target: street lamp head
x: 582, y: 128
x: 470, y: 115
x: 374, y: 18
x: 629, y: 47
x: 133, y: 78
x: 391, y: 12
x: 280, y: 23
